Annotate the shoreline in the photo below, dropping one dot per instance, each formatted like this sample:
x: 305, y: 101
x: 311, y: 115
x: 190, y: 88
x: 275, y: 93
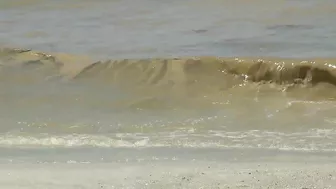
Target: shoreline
x: 156, y: 175
x: 250, y: 169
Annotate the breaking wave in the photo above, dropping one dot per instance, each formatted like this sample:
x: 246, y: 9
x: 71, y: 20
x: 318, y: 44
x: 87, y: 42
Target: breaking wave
x: 175, y: 77
x: 187, y: 71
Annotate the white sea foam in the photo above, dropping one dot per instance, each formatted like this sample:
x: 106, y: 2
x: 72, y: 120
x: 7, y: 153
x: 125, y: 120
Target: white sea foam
x: 312, y: 140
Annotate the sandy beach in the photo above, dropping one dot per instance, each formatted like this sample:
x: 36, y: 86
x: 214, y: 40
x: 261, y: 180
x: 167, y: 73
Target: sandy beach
x: 280, y: 172
x: 237, y: 175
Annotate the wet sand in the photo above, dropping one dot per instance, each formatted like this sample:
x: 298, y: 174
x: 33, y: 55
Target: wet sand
x: 271, y: 175
x: 172, y: 168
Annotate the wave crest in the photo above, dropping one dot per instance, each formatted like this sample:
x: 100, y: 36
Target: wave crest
x: 202, y: 75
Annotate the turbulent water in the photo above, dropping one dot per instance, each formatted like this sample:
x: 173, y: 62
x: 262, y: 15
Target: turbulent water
x: 50, y: 100
x: 108, y: 81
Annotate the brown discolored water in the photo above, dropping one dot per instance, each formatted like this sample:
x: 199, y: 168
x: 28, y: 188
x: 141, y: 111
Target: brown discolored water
x: 200, y: 101
x: 153, y: 81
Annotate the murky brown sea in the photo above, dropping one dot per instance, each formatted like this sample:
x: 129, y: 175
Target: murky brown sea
x: 82, y: 81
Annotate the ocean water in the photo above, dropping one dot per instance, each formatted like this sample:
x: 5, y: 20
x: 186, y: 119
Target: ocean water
x: 127, y: 83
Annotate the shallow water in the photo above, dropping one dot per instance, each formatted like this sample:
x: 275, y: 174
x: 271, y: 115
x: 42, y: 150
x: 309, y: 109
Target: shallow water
x: 58, y: 104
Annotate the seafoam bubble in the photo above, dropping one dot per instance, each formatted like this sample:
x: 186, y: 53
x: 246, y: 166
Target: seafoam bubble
x: 311, y: 140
